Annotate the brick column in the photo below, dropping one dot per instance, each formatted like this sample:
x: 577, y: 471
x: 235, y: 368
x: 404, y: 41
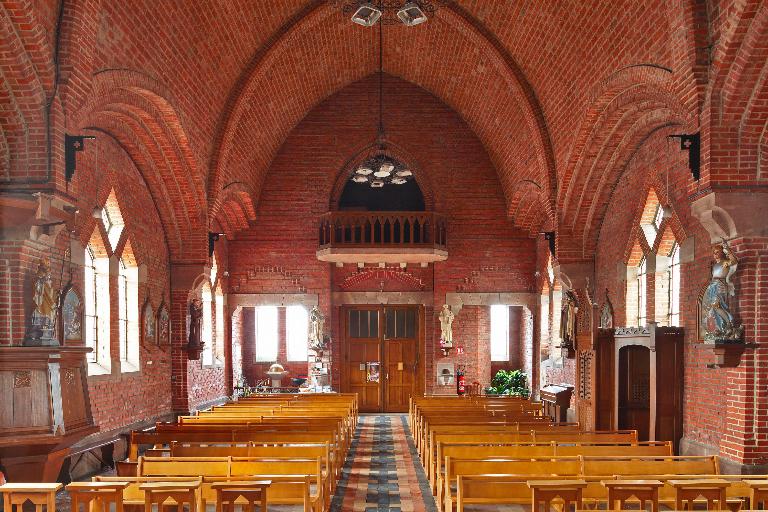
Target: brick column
x: 739, y: 217
x: 184, y: 280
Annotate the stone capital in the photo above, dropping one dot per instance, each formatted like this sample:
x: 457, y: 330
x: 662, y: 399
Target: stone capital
x: 732, y: 214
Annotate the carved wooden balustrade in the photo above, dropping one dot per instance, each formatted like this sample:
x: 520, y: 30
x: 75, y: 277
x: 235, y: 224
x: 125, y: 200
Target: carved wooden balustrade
x: 383, y: 230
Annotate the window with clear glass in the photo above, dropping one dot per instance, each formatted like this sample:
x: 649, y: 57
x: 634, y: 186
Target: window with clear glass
x: 207, y: 327
x: 220, y: 327
x: 642, y: 296
x: 499, y: 333
x: 674, y: 286
x: 96, y: 311
x: 128, y: 316
x: 297, y: 333
x: 266, y: 333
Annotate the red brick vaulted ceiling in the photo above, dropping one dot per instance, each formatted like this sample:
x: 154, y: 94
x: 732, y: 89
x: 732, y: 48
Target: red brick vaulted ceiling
x: 244, y: 73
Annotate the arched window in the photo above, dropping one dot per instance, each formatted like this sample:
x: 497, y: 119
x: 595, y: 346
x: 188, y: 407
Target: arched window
x: 112, y: 219
x: 642, y: 293
x: 207, y: 330
x: 674, y: 286
x: 128, y: 315
x: 96, y: 302
x: 297, y: 333
x: 218, y: 352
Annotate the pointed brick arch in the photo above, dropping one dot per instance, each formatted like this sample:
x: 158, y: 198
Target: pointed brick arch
x: 130, y: 108
x: 627, y: 109
x: 269, y: 101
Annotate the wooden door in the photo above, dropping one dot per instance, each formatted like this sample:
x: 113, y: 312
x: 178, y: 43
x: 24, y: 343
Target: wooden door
x: 382, y: 363
x: 401, y: 356
x: 669, y: 389
x: 634, y: 389
x: 363, y: 350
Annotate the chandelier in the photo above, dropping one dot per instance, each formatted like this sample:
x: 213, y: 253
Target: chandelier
x: 380, y: 170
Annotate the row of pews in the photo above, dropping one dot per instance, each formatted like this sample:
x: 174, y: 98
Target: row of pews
x: 502, y: 451
x: 280, y: 449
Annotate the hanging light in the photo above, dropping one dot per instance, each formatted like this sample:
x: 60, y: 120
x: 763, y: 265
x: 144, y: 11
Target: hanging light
x: 404, y: 173
x: 411, y: 14
x: 366, y: 15
x: 359, y: 179
x: 364, y: 171
x: 377, y: 184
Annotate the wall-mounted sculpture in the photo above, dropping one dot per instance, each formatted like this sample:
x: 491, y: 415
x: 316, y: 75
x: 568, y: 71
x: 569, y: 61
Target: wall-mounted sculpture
x: 194, y: 344
x: 606, y: 313
x: 717, y: 315
x: 568, y: 319
x: 318, y: 342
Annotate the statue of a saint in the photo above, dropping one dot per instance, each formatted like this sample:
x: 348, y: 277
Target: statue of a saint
x: 717, y: 317
x: 195, y: 324
x: 568, y: 319
x: 316, y: 323
x: 44, y: 306
x: 446, y: 322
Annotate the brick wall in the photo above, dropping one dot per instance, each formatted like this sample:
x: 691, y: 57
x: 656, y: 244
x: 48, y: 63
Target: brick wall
x: 486, y: 253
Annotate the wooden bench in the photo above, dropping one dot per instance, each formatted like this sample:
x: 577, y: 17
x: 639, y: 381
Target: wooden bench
x: 502, y: 480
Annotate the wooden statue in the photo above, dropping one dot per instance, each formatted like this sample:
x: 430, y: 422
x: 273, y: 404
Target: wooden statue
x: 717, y: 315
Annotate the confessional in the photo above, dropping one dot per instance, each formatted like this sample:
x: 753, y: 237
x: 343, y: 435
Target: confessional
x: 632, y: 378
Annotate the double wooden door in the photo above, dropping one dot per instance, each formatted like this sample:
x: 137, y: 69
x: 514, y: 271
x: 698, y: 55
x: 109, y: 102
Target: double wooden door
x: 382, y: 362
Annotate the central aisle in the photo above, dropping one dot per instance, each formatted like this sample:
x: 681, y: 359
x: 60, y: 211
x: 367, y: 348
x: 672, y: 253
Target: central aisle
x: 382, y: 471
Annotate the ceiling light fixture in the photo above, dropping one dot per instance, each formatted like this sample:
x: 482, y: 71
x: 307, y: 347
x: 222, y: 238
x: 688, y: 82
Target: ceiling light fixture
x: 411, y: 14
x: 366, y: 15
x: 388, y: 12
x: 379, y: 169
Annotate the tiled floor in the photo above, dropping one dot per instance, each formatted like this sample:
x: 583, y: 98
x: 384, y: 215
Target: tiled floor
x: 382, y: 472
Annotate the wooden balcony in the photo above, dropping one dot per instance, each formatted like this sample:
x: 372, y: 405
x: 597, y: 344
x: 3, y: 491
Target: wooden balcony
x: 382, y: 237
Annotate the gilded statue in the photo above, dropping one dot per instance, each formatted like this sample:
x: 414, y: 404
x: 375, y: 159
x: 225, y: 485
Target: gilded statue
x: 717, y: 313
x: 44, y: 306
x: 446, y: 323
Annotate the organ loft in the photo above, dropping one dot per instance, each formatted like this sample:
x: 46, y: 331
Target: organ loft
x: 406, y: 255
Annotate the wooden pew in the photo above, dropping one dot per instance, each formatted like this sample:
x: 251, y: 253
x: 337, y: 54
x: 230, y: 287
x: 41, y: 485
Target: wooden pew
x: 502, y: 481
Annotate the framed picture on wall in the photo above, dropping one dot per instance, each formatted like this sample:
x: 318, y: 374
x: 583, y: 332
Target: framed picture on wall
x: 148, y: 324
x: 163, y: 326
x: 71, y: 316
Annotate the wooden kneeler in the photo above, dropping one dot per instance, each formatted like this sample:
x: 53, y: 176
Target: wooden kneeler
x: 96, y: 496
x: 157, y: 493
x: 252, y: 492
x: 545, y: 492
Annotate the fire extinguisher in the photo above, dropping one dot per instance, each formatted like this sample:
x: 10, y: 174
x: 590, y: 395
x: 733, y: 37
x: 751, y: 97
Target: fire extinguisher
x: 461, y: 381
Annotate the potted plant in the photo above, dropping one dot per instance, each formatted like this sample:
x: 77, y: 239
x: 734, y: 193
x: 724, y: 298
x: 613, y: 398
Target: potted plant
x: 509, y: 383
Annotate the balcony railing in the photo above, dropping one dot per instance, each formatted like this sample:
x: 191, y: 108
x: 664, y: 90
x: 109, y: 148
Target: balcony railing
x: 383, y: 230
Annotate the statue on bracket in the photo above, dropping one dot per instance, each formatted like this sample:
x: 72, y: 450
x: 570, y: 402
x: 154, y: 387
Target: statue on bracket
x: 446, y: 327
x: 195, y: 344
x: 317, y: 340
x: 42, y: 321
x: 606, y: 313
x: 568, y: 319
x: 717, y: 314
